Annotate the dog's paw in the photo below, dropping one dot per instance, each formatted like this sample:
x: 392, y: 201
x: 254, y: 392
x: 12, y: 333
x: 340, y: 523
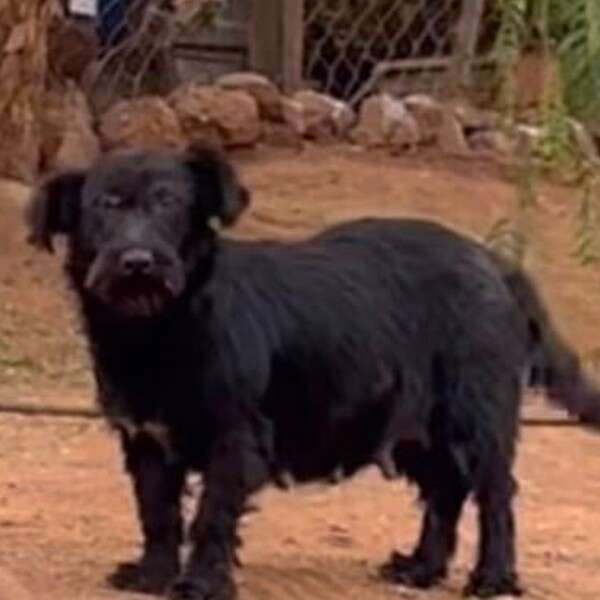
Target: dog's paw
x: 147, y: 577
x: 203, y: 588
x: 410, y: 571
x: 490, y: 585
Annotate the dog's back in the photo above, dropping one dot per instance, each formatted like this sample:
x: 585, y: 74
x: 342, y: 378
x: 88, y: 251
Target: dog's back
x: 349, y: 321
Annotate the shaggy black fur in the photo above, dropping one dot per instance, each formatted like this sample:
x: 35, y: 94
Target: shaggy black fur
x: 397, y: 342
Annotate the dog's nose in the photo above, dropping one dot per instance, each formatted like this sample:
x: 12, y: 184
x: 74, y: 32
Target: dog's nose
x: 137, y: 261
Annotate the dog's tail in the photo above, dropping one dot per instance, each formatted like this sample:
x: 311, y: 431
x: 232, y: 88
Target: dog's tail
x: 554, y: 365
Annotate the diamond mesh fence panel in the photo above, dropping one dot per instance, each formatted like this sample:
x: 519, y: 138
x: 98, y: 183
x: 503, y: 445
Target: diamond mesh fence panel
x: 346, y: 40
x: 135, y: 40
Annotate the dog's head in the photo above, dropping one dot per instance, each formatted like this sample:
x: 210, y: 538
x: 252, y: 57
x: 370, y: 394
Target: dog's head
x: 135, y: 220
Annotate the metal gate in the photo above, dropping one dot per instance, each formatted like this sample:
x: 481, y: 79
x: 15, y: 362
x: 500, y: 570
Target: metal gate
x: 217, y: 49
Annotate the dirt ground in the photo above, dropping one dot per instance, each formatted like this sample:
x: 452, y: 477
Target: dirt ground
x: 66, y: 513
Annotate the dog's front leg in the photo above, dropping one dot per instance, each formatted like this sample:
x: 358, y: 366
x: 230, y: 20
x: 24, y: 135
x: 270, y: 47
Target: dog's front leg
x: 157, y: 485
x: 237, y: 468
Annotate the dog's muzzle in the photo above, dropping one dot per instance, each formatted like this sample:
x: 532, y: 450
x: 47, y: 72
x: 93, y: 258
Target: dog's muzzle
x: 136, y: 282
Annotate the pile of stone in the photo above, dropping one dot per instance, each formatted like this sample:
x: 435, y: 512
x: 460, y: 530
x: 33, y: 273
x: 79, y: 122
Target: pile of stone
x: 243, y: 110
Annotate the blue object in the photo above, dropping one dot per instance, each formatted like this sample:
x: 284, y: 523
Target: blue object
x: 112, y: 21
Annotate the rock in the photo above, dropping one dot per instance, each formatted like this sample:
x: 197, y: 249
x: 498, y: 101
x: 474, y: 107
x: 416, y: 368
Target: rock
x: 527, y: 137
x: 323, y: 116
x: 383, y: 121
x: 530, y: 131
x: 472, y: 118
x: 281, y: 135
x: 491, y: 143
x: 68, y: 136
x: 293, y: 115
x: 11, y: 589
x: 264, y: 91
x: 217, y: 115
x: 451, y: 138
x: 147, y: 122
x: 429, y: 115
x: 406, y: 135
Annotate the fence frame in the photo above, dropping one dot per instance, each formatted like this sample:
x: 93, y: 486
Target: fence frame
x: 271, y: 41
x: 276, y: 46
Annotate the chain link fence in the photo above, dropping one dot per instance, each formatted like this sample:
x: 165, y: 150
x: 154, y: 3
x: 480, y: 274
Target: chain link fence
x: 136, y: 39
x: 124, y: 48
x: 352, y: 46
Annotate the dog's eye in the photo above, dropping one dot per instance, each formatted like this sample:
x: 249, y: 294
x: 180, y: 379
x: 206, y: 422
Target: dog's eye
x: 109, y: 201
x: 164, y: 199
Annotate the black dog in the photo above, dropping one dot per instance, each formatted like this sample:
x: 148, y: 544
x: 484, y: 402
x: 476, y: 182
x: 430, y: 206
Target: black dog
x: 390, y: 341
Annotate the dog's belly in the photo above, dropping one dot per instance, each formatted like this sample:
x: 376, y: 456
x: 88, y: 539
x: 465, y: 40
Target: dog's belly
x: 315, y: 445
x: 305, y: 436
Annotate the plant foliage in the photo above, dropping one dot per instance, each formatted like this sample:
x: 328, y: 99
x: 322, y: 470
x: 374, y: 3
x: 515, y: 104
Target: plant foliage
x: 566, y: 33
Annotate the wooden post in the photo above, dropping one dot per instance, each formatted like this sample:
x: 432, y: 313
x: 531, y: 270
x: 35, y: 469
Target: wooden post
x: 293, y: 45
x: 275, y: 41
x: 265, y: 38
x: 466, y: 36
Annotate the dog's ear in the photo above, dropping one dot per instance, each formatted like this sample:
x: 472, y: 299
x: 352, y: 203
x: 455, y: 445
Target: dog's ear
x: 54, y: 208
x: 218, y: 187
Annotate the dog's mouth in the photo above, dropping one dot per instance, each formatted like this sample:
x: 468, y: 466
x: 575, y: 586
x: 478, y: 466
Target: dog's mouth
x: 141, y: 296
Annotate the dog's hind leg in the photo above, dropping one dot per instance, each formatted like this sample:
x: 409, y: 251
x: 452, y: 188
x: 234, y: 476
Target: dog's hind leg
x: 495, y: 572
x: 158, y: 485
x: 444, y: 489
x: 409, y: 406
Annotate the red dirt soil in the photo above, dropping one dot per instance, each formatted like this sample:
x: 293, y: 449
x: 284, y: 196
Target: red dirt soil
x: 66, y: 515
